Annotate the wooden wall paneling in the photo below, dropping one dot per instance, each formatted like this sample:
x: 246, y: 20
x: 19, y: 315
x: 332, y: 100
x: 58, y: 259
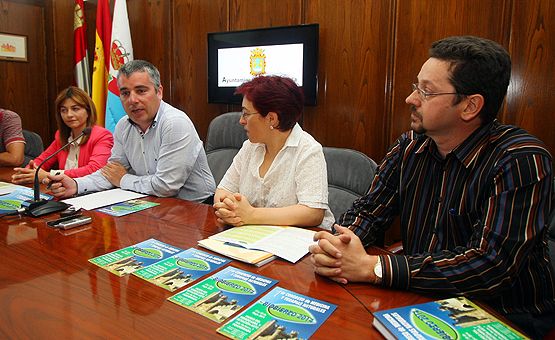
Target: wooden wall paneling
x: 151, y: 34
x: 24, y: 84
x: 532, y: 88
x: 354, y: 58
x: 247, y: 14
x: 192, y: 20
x: 419, y: 23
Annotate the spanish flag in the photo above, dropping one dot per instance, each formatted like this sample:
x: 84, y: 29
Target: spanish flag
x: 101, y: 64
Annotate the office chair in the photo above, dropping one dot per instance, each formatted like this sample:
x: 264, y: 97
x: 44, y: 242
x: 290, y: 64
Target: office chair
x: 225, y: 138
x: 33, y: 146
x: 350, y: 174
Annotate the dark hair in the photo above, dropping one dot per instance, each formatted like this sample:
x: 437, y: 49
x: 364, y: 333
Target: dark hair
x: 478, y: 66
x: 275, y: 94
x: 141, y: 66
x: 80, y: 97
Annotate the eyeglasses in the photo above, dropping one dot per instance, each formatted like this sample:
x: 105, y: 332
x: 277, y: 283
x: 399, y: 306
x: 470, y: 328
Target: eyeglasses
x: 425, y: 95
x: 245, y: 114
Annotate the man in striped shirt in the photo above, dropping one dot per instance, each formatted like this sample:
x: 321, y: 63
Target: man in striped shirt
x: 473, y: 196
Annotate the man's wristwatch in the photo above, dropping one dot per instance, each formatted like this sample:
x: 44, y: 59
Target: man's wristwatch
x: 378, y: 271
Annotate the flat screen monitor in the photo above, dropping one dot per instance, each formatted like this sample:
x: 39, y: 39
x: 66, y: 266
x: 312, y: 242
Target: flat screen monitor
x: 237, y: 56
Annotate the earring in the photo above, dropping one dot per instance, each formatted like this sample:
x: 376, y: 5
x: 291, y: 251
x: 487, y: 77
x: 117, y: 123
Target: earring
x: 271, y: 127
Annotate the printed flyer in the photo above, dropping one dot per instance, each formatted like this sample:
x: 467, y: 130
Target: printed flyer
x: 181, y: 269
x: 223, y: 294
x: 12, y: 201
x: 126, y: 208
x: 280, y: 314
x: 135, y: 257
x: 454, y: 318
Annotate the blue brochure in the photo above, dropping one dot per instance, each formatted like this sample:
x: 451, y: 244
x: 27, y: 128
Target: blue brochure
x: 223, y: 294
x: 135, y: 257
x: 280, y: 314
x: 181, y: 269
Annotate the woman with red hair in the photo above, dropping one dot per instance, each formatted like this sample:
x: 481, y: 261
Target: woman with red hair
x: 279, y: 176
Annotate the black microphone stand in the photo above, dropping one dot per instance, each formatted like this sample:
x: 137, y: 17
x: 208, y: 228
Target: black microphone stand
x: 38, y: 207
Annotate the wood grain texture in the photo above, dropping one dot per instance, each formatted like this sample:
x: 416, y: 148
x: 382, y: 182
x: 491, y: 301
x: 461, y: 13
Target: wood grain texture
x: 192, y: 21
x: 47, y: 285
x: 354, y: 54
x: 23, y: 85
x: 532, y: 88
x: 419, y: 23
x: 152, y: 37
x: 370, y: 53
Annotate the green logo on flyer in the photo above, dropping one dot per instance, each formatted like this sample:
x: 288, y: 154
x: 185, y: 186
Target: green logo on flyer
x: 235, y: 286
x: 291, y: 313
x: 194, y: 264
x: 122, y: 208
x: 148, y: 253
x: 9, y: 205
x: 431, y: 325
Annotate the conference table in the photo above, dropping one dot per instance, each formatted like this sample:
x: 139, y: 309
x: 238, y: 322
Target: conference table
x: 48, y: 289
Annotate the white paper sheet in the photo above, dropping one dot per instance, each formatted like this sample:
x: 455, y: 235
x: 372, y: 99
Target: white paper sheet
x: 102, y: 198
x: 290, y: 244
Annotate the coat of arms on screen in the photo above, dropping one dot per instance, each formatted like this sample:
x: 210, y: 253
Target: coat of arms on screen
x: 258, y: 62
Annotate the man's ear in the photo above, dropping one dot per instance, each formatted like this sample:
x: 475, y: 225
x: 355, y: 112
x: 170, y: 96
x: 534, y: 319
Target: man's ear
x: 160, y: 92
x: 474, y: 104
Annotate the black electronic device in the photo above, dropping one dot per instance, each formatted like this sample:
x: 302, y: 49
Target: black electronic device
x: 37, y: 206
x: 237, y: 56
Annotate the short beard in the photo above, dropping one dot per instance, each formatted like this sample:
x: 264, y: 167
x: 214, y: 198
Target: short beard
x: 420, y: 129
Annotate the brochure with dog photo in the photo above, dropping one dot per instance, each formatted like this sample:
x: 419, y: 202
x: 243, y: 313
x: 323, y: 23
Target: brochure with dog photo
x: 181, y: 269
x: 130, y: 259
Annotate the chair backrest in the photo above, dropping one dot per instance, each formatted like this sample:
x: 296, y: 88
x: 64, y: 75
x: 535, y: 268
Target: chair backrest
x: 33, y: 146
x: 350, y: 174
x: 225, y: 138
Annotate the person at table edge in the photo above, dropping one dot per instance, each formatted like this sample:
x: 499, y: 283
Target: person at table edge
x: 473, y: 196
x: 157, y: 150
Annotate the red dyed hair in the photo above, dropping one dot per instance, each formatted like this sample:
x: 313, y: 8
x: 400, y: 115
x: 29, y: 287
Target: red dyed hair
x: 275, y: 94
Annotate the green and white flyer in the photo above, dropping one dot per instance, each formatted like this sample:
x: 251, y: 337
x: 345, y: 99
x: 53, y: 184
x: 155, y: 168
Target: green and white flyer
x: 128, y: 207
x: 221, y: 295
x: 280, y: 314
x: 12, y: 201
x: 181, y: 269
x: 135, y: 257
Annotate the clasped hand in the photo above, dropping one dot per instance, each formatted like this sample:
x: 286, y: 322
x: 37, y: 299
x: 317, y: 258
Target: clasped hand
x: 27, y: 175
x: 342, y: 257
x: 233, y: 209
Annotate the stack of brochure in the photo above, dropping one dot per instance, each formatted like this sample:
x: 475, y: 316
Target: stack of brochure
x: 260, y: 244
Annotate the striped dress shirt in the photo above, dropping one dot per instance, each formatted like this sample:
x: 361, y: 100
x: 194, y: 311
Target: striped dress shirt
x: 472, y: 223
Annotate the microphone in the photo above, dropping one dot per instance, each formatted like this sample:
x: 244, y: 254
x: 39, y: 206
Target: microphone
x: 38, y: 207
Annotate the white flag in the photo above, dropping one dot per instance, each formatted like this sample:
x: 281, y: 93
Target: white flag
x: 121, y: 51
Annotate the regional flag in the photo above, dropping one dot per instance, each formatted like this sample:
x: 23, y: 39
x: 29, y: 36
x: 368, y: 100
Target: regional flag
x: 121, y: 51
x: 80, y: 53
x: 101, y: 64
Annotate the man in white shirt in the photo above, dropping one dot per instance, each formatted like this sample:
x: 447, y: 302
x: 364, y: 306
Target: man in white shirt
x: 157, y: 150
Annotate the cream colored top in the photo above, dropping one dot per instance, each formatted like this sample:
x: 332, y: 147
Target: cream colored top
x: 298, y: 175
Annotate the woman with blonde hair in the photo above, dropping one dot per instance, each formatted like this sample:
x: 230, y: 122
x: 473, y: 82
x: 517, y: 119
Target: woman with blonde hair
x: 75, y: 111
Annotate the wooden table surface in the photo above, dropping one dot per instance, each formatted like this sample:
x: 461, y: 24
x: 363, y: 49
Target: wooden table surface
x: 48, y: 289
